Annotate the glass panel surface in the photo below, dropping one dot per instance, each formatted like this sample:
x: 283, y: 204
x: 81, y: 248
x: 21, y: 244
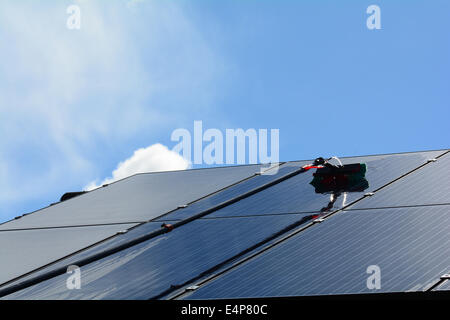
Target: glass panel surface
x: 298, y: 195
x: 410, y: 246
x: 150, y: 268
x: 293, y: 195
x: 26, y: 250
x: 444, y: 286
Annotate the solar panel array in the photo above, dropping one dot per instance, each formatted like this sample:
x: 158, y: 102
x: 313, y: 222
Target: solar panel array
x: 268, y: 244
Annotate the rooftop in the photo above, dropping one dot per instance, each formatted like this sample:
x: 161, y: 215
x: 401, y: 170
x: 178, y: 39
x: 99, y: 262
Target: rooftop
x: 240, y: 232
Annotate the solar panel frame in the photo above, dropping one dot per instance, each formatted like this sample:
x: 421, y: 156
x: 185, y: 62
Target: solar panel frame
x: 145, y: 228
x: 178, y: 214
x: 445, y: 286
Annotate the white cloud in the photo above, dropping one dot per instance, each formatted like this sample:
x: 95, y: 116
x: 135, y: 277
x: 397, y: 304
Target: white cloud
x: 70, y: 98
x: 151, y: 159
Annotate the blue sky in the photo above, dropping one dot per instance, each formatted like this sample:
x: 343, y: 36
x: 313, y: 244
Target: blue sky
x: 76, y: 103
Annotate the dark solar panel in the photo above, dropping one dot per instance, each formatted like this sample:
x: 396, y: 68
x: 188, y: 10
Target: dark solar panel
x: 147, y: 269
x: 429, y: 185
x: 411, y: 247
x: 24, y: 251
x: 233, y: 191
x: 150, y: 268
x: 135, y: 199
x: 118, y: 239
x: 298, y: 195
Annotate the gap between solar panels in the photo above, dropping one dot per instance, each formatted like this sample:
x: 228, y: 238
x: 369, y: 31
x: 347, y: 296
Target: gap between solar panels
x: 401, y: 206
x: 179, y: 293
x: 76, y: 226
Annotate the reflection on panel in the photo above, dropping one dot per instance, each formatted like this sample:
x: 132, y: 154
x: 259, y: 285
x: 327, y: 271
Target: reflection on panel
x: 408, y: 248
x: 152, y: 267
x: 445, y: 286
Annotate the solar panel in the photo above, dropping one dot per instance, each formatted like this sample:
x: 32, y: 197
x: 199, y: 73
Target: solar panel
x: 195, y: 207
x: 124, y: 235
x: 26, y: 250
x: 150, y: 268
x: 298, y: 195
x: 135, y: 199
x: 233, y: 191
x: 428, y: 185
x: 410, y: 246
